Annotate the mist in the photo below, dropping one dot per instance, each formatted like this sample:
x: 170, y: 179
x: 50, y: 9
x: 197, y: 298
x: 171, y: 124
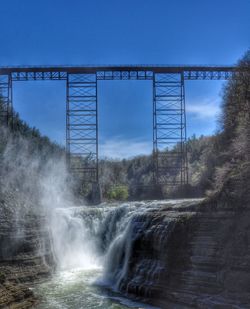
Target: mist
x: 35, y: 180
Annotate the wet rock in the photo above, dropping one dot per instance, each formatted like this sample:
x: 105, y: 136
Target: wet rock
x: 190, y: 259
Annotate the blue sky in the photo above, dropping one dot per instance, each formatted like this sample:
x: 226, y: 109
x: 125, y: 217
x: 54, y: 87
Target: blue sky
x: 121, y: 32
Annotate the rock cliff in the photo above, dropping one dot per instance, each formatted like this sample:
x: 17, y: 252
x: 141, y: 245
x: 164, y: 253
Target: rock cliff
x: 191, y: 257
x: 25, y: 252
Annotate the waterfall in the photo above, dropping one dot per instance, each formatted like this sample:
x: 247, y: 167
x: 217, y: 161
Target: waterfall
x: 106, y: 236
x: 73, y: 242
x: 82, y: 235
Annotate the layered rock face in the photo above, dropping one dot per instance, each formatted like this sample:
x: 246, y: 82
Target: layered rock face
x: 190, y: 256
x: 25, y: 253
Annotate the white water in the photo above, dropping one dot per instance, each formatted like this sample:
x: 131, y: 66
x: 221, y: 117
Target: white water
x: 84, y: 237
x: 92, y: 249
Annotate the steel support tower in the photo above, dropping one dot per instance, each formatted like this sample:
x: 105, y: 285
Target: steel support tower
x: 169, y: 129
x: 82, y: 125
x: 6, y: 110
x: 169, y: 118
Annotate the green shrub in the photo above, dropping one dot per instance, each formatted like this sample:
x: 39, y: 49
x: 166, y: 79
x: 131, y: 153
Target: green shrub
x: 119, y: 193
x: 2, y: 277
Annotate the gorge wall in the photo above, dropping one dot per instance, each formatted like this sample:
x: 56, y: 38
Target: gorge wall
x: 25, y: 252
x: 202, y: 260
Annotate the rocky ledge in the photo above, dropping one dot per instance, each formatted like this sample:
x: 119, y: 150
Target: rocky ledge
x: 25, y: 253
x: 190, y: 256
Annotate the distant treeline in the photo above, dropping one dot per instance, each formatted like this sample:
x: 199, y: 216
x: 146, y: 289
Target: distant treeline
x: 136, y: 174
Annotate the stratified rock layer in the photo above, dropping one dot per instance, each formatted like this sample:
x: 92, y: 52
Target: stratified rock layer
x: 191, y: 257
x: 25, y: 253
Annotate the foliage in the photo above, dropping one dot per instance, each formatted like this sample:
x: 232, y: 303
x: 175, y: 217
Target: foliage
x: 25, y: 156
x: 232, y: 173
x: 137, y: 173
x: 2, y: 277
x: 20, y: 128
x: 119, y: 193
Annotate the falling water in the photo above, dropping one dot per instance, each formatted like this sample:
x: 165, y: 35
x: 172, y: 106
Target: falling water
x: 92, y: 247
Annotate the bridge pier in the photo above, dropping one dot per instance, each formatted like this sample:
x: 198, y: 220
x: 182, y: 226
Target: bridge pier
x: 95, y: 196
x: 6, y: 109
x: 169, y: 129
x: 82, y: 125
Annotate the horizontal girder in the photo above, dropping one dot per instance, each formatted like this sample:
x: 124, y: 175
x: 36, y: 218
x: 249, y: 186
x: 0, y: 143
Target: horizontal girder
x: 116, y: 72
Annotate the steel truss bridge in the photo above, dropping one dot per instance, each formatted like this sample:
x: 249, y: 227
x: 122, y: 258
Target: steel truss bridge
x: 169, y: 117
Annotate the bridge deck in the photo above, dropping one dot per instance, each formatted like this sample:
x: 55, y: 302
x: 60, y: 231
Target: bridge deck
x: 96, y: 68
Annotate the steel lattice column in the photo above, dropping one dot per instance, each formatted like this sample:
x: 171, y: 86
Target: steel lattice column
x: 82, y: 126
x: 6, y: 110
x: 169, y: 129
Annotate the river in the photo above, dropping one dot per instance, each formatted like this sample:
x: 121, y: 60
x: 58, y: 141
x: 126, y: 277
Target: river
x: 76, y: 289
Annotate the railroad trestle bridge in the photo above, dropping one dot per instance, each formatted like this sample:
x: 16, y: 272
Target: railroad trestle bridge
x: 169, y: 116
